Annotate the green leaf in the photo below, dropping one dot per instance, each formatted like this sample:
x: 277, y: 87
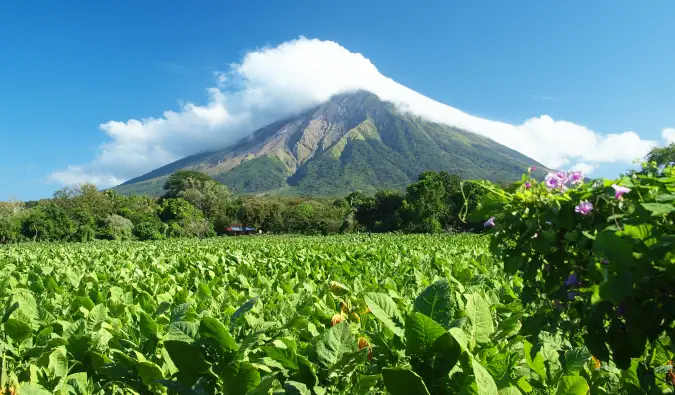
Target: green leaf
x: 615, y: 289
x: 658, y: 209
x: 240, y: 378
x: 296, y: 388
x: 536, y: 361
x: 58, y: 363
x: 384, y: 309
x: 616, y: 249
x: 334, y: 343
x: 510, y: 391
x: 575, y: 360
x: 18, y: 330
x: 149, y: 372
x: 480, y: 318
x: 484, y: 381
x: 147, y: 325
x: 187, y: 357
x: 447, y: 351
x: 96, y: 315
x: 572, y: 385
x: 639, y: 232
x: 32, y: 389
x: 400, y: 381
x: 365, y: 382
x: 436, y: 302
x: 212, y: 329
x: 243, y: 309
x: 420, y: 334
x: 285, y: 356
x: 661, y: 198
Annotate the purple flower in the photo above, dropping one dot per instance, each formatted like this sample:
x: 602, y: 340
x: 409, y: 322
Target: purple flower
x: 528, y: 185
x: 571, y: 280
x: 619, y: 191
x: 572, y: 294
x: 552, y: 181
x: 584, y: 207
x: 576, y: 177
x: 490, y: 223
x: 604, y: 261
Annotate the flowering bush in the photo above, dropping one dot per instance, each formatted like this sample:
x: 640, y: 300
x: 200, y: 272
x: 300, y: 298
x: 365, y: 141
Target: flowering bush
x: 597, y: 260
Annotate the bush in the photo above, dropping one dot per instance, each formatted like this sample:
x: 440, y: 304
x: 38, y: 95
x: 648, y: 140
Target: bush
x: 596, y: 259
x: 115, y: 227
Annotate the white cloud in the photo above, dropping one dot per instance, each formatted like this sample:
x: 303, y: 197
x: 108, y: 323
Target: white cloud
x: 271, y: 83
x: 668, y: 134
x: 585, y: 168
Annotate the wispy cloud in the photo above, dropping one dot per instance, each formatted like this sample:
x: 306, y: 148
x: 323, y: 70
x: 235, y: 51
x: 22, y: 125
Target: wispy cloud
x: 274, y: 82
x: 171, y: 67
x: 548, y: 98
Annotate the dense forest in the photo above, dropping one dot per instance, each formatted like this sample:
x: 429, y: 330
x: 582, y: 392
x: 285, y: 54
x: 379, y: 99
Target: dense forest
x: 195, y: 205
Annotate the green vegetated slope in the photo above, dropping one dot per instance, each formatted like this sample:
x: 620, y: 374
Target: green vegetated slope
x: 296, y: 315
x: 353, y: 142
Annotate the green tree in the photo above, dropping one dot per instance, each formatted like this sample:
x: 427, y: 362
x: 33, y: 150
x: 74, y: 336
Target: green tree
x: 184, y: 219
x: 182, y: 180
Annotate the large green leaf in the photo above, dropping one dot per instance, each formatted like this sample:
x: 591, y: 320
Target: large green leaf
x: 334, y: 343
x: 480, y: 318
x: 484, y: 382
x: 147, y: 325
x: 240, y: 378
x: 285, y: 356
x: 616, y: 249
x: 534, y: 359
x: 658, y: 209
x: 149, y: 372
x: 18, y: 330
x: 572, y: 385
x: 365, y: 382
x: 575, y: 360
x: 187, y: 357
x: 400, y: 381
x: 436, y: 302
x: 385, y: 310
x: 510, y: 391
x: 296, y: 388
x: 420, y: 334
x: 214, y: 330
x: 32, y: 389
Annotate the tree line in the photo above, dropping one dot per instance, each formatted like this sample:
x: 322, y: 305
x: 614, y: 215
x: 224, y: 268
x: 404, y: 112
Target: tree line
x: 194, y: 205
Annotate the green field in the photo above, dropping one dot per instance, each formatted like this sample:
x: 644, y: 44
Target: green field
x: 350, y: 314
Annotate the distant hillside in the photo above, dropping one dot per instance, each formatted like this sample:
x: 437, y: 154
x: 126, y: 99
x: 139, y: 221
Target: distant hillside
x: 353, y: 141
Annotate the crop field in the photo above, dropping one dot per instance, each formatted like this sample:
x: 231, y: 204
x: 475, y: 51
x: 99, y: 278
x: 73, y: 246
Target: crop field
x: 416, y: 314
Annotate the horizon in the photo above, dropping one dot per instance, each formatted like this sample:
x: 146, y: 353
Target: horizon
x: 115, y: 102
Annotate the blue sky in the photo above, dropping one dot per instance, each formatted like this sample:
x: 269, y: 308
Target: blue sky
x: 68, y: 67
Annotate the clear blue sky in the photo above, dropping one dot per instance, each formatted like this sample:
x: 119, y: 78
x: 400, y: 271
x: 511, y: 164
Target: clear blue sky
x: 68, y: 66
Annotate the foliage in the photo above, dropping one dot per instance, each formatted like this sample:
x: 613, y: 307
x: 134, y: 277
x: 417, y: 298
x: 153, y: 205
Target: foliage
x: 116, y: 227
x: 182, y: 180
x: 597, y: 264
x: 408, y: 314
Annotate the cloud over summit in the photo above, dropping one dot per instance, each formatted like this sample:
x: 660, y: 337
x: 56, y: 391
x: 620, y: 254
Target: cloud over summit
x: 275, y: 82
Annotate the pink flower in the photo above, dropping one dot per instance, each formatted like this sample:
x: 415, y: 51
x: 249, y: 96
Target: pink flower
x: 619, y: 191
x: 490, y: 223
x: 534, y: 168
x: 576, y: 177
x: 528, y: 185
x: 584, y: 207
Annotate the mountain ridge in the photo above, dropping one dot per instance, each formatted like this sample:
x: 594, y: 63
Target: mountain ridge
x: 352, y: 141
